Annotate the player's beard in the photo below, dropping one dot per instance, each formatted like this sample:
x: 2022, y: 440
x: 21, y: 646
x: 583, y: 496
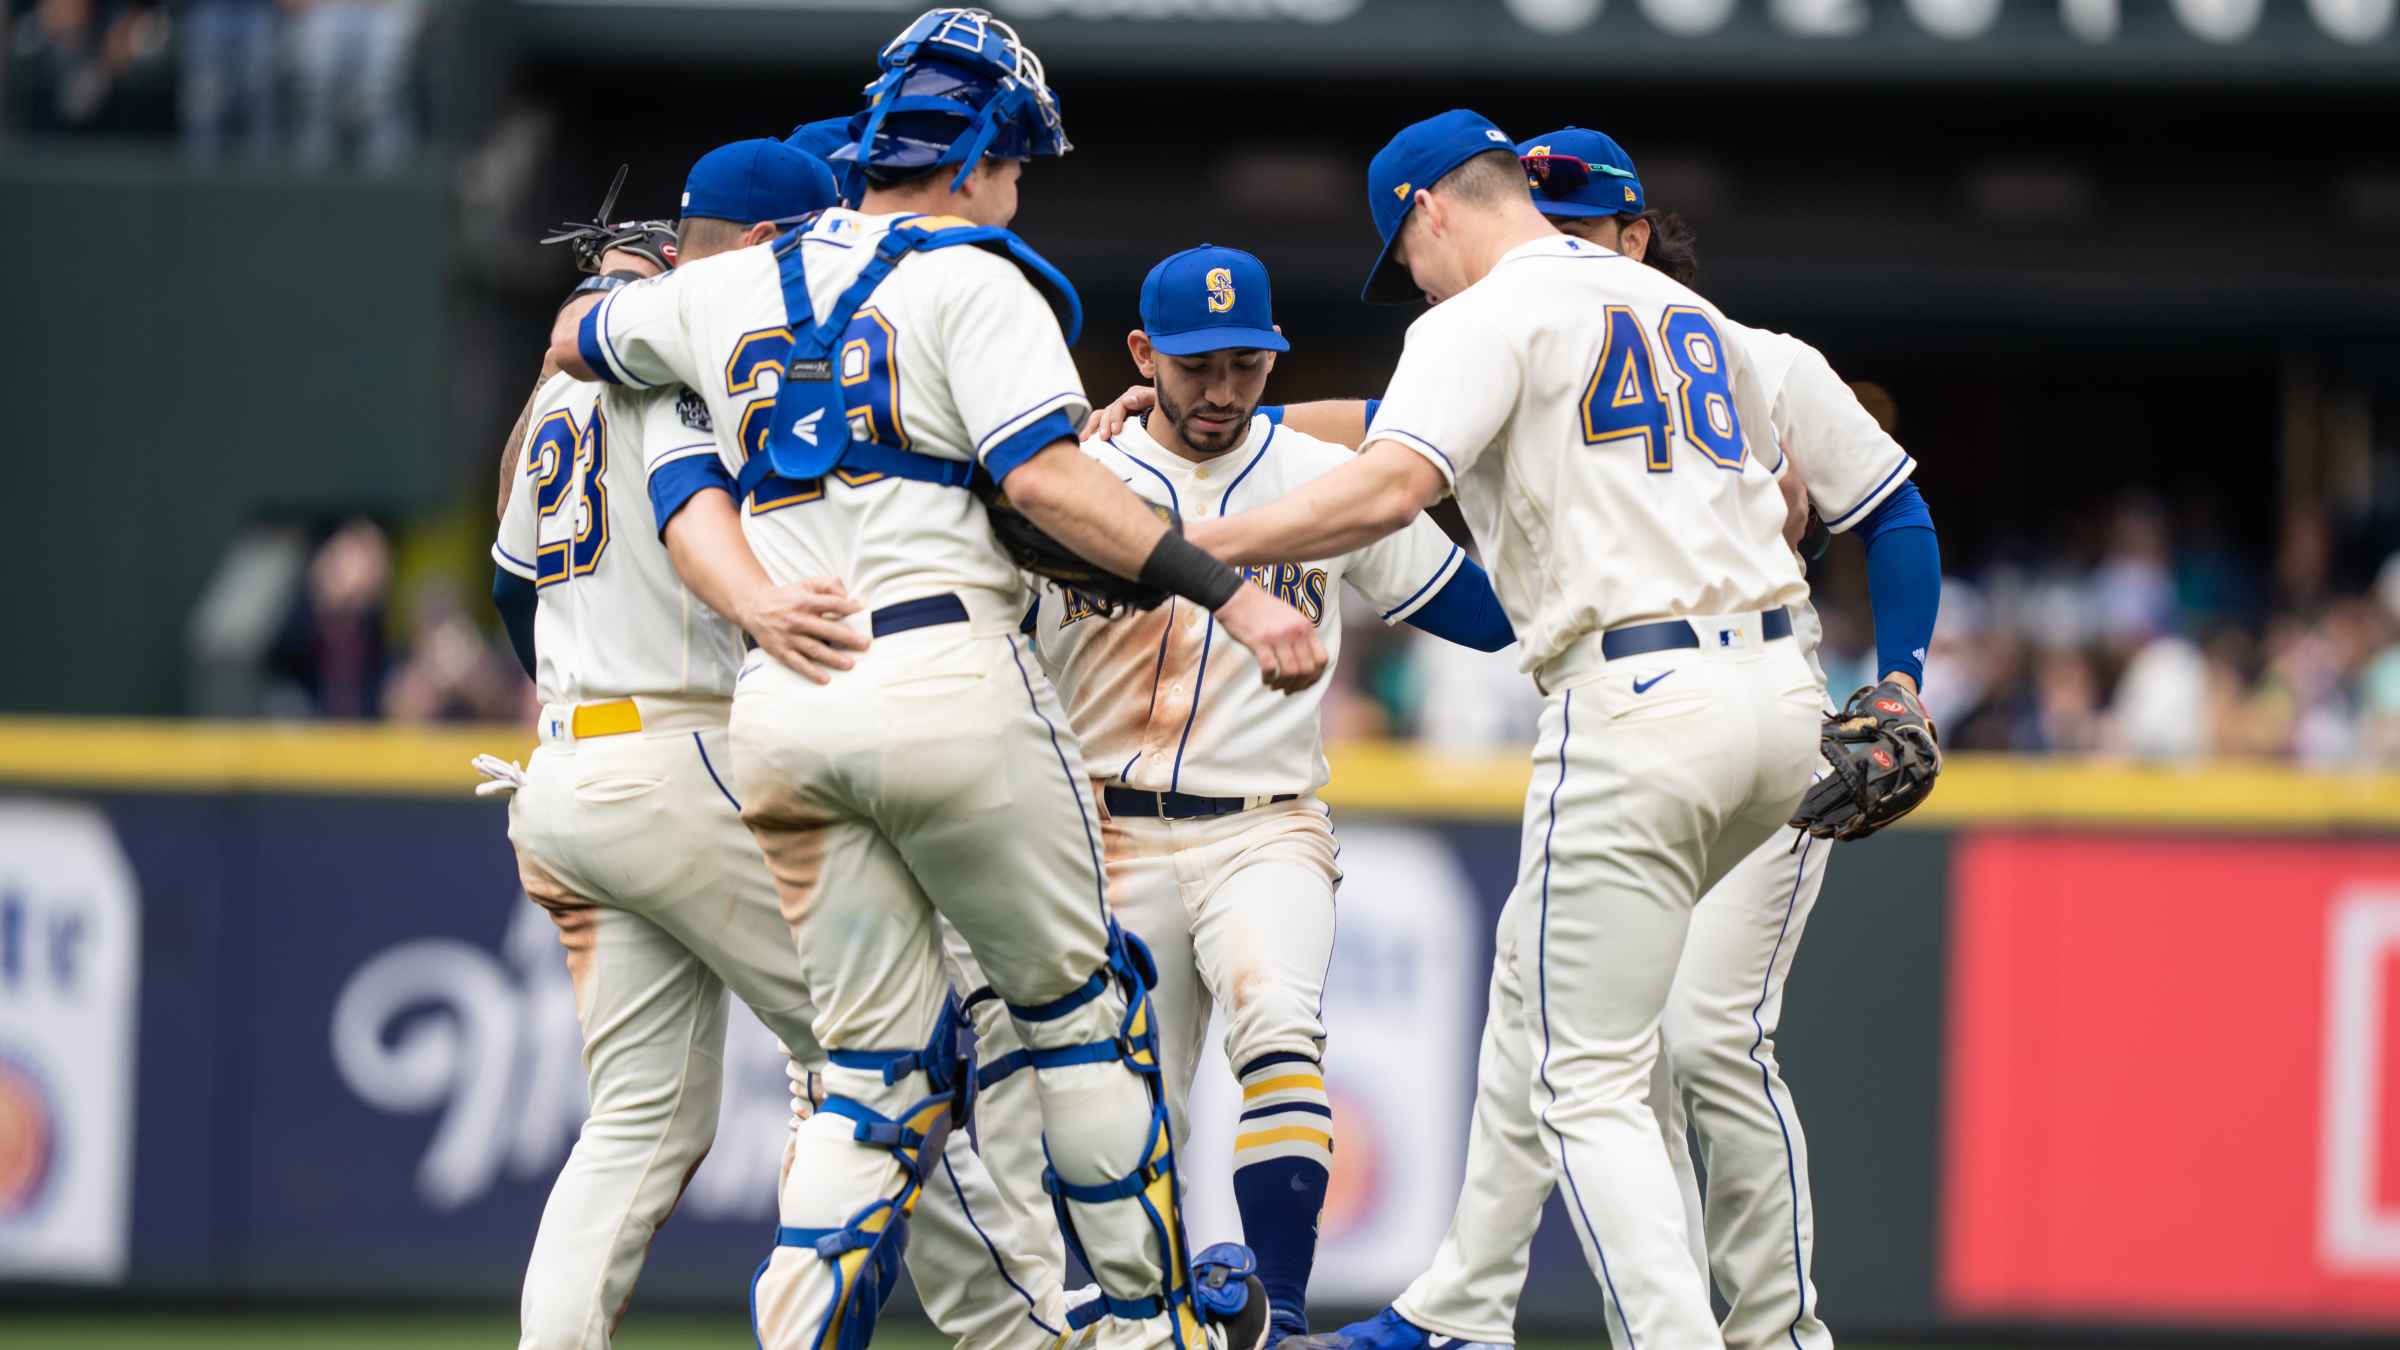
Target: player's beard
x: 1201, y: 440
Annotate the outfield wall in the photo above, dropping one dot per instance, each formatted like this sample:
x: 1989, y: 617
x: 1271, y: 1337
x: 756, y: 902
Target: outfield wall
x: 2080, y: 1045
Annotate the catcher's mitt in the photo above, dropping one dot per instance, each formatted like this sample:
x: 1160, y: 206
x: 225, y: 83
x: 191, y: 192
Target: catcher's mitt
x: 590, y: 240
x: 1884, y: 755
x: 1031, y: 548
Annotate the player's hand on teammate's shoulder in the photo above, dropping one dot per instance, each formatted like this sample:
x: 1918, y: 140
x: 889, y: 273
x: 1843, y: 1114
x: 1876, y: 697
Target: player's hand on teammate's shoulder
x: 801, y: 624
x: 1108, y: 421
x: 1284, y: 642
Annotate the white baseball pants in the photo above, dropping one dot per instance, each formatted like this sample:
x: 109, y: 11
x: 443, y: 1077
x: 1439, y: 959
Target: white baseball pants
x: 1641, y: 802
x: 940, y: 775
x: 633, y: 845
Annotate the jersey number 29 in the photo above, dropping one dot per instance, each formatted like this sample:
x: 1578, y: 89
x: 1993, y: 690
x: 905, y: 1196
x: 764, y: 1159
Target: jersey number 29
x: 1625, y: 402
x: 552, y: 453
x: 870, y: 375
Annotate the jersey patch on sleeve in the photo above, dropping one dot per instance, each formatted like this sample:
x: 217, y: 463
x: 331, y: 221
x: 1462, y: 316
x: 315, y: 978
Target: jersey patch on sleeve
x: 692, y: 411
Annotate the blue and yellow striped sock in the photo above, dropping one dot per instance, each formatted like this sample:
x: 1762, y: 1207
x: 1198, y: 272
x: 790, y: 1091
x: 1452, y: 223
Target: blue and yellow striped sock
x: 1282, y: 1160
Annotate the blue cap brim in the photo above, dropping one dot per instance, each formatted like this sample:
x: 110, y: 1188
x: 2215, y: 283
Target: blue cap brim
x: 1203, y: 340
x: 1577, y: 210
x: 1390, y: 283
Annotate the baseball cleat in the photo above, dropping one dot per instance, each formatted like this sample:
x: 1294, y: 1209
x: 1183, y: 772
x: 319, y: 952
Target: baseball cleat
x: 1226, y: 1288
x: 1386, y: 1330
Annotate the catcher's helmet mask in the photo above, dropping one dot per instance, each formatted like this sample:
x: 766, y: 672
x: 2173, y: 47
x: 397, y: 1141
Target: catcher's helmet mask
x: 957, y: 86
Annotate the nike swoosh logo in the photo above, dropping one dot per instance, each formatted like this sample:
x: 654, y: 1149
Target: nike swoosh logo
x: 1437, y: 1342
x: 1643, y: 686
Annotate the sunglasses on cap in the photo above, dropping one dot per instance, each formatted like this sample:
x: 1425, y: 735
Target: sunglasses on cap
x: 1565, y: 173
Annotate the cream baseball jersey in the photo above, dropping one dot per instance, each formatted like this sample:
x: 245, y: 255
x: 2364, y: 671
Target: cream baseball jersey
x: 1609, y: 447
x: 1848, y: 461
x: 1161, y: 703
x: 956, y: 356
x: 612, y: 620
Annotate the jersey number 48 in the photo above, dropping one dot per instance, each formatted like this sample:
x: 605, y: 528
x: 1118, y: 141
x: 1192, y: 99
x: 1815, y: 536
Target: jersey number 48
x: 1625, y: 402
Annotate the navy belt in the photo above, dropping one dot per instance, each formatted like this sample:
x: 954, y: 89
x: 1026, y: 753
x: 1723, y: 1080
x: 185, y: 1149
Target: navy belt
x: 1643, y: 638
x: 920, y: 613
x: 1124, y: 801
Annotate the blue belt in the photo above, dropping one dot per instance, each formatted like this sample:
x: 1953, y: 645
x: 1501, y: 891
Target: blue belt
x: 1124, y: 801
x: 1643, y: 638
x: 921, y: 613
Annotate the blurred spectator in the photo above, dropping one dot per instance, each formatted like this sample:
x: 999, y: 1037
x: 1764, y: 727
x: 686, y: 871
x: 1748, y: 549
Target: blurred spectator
x: 453, y: 673
x: 2162, y: 705
x: 228, y: 92
x: 70, y: 61
x: 332, y: 647
x: 354, y: 58
x: 2133, y: 589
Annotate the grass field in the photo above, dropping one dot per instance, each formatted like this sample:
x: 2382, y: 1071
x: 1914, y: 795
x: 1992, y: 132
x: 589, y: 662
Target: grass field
x: 101, y: 1329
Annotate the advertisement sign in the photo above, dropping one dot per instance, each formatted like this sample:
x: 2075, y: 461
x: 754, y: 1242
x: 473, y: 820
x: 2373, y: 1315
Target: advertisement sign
x: 2174, y: 1081
x: 70, y: 933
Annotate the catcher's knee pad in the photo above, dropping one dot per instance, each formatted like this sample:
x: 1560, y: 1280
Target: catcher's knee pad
x: 1150, y: 1186
x: 865, y: 1252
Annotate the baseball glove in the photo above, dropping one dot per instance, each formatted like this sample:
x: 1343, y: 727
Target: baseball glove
x: 1884, y: 755
x: 1031, y: 548
x: 590, y: 240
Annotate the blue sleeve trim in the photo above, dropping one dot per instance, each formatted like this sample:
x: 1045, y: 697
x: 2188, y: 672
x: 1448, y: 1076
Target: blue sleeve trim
x: 513, y: 596
x: 1273, y: 412
x: 1466, y: 612
x: 1004, y: 458
x: 513, y: 563
x: 1449, y: 469
x: 674, y: 484
x: 1903, y: 509
x: 1438, y: 574
x: 1904, y: 581
x: 588, y: 344
x: 1374, y: 405
x: 1839, y: 523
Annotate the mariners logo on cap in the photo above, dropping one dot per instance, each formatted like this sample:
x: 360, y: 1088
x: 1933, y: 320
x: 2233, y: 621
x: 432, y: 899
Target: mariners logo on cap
x: 1220, y: 290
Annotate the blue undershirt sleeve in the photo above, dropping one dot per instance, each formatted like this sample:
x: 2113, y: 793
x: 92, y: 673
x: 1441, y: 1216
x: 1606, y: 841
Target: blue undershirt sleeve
x: 513, y: 596
x: 1904, y: 580
x: 1465, y: 611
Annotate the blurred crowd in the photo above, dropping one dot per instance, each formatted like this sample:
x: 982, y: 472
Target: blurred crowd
x: 319, y: 82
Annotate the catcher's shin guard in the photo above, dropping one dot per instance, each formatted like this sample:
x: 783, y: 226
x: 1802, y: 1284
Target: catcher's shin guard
x: 1123, y: 1220
x: 865, y: 1252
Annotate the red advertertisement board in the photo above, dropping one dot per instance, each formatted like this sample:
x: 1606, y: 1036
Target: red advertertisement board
x: 2173, y: 1085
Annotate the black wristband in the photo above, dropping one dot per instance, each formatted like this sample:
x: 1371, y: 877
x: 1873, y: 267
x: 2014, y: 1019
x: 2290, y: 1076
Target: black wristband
x: 1183, y: 568
x: 602, y: 284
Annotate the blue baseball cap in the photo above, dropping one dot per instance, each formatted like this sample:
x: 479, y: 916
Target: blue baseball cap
x: 755, y: 180
x: 820, y: 138
x: 1574, y: 172
x: 1208, y: 299
x: 1415, y: 160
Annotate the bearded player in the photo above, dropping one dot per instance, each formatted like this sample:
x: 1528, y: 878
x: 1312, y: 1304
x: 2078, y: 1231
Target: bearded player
x: 1220, y: 854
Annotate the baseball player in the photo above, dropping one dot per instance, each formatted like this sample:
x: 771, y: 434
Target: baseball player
x: 864, y: 375
x: 625, y: 831
x: 1219, y: 854
x: 1591, y: 418
x: 1719, y: 1024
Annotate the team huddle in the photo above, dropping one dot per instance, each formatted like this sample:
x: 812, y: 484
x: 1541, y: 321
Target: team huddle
x: 971, y: 736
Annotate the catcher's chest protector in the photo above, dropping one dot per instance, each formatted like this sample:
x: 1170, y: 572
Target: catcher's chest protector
x: 808, y: 434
